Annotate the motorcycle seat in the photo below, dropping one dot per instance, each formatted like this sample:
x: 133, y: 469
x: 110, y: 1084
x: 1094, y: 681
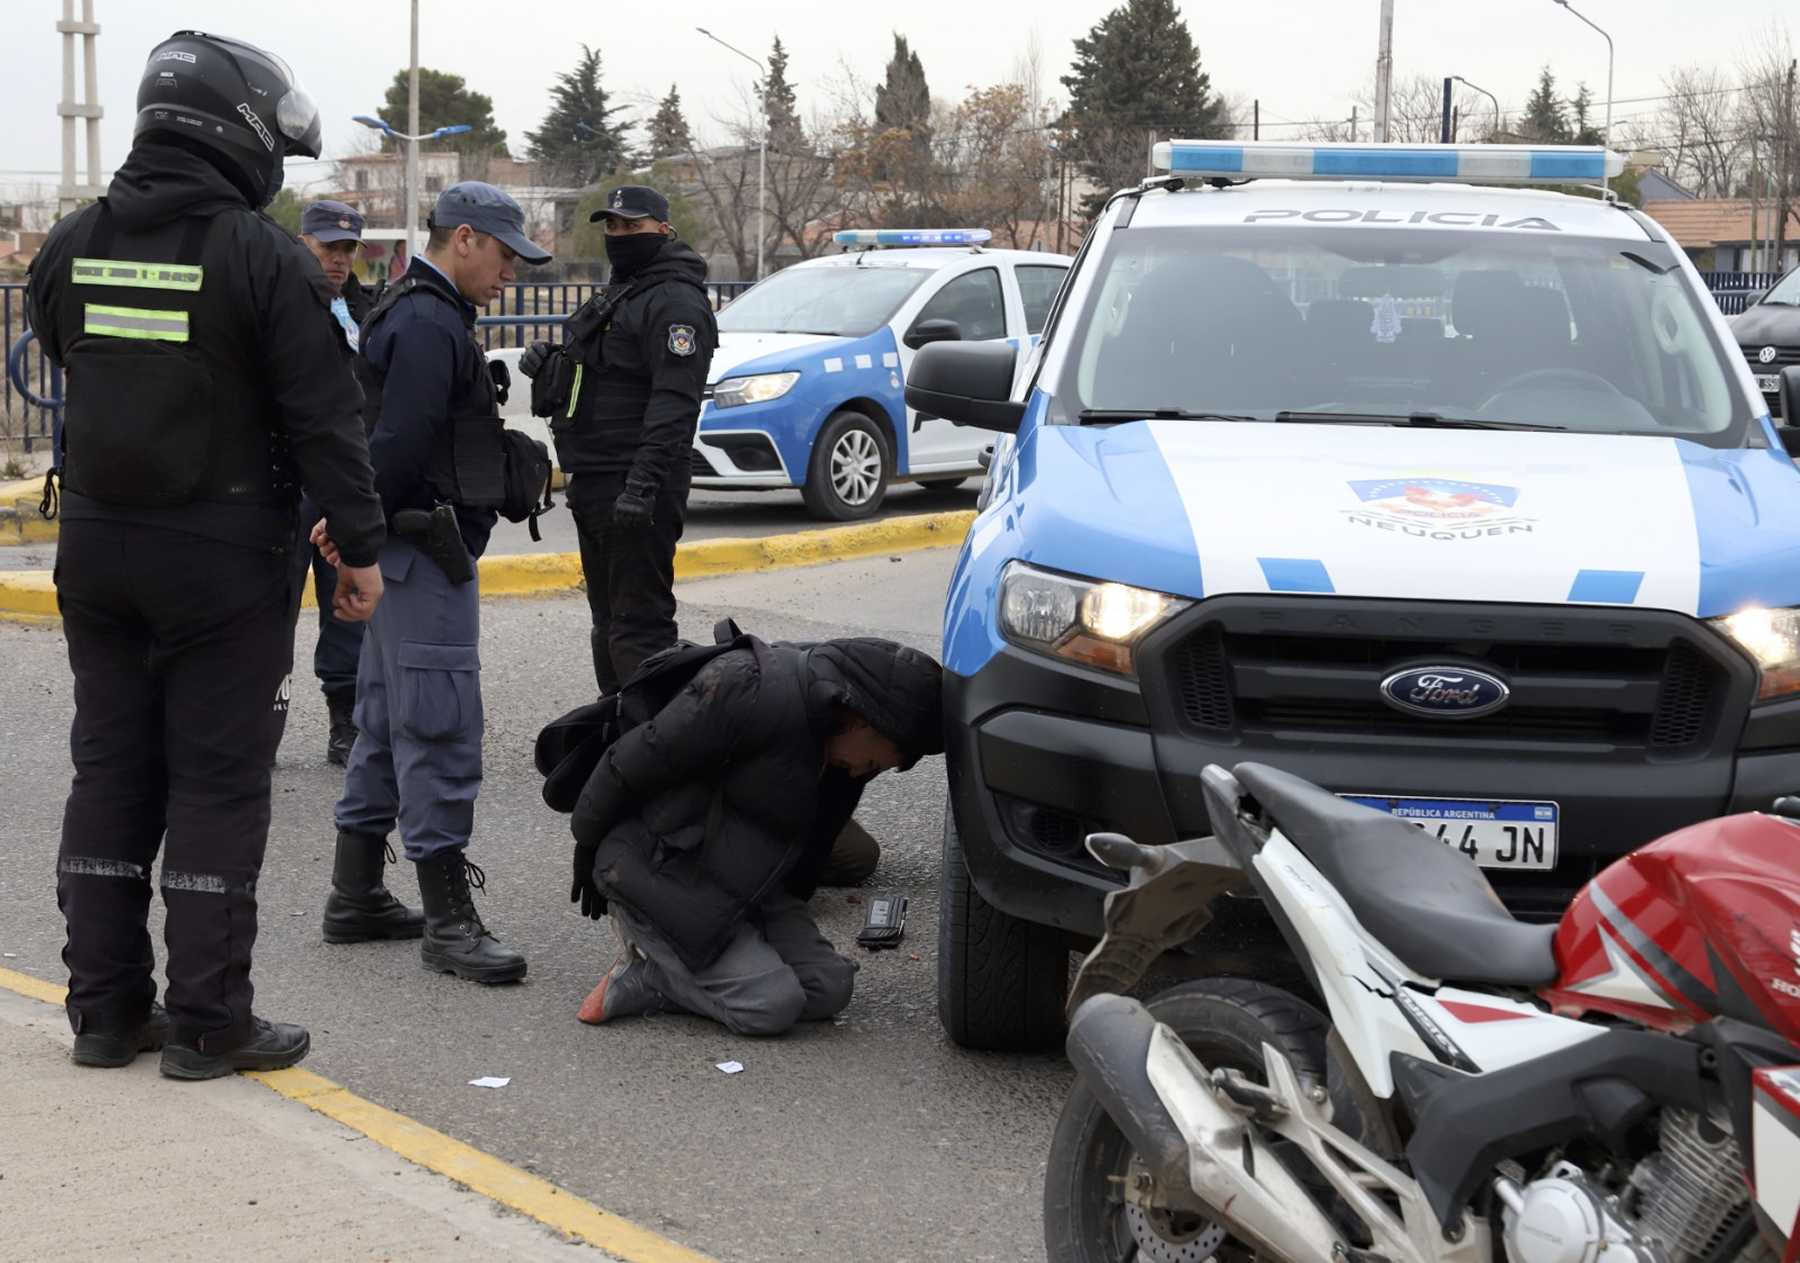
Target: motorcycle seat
x: 1425, y: 902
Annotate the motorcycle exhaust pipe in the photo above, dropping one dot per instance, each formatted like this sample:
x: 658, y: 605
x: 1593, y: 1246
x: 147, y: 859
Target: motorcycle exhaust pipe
x: 1202, y: 1155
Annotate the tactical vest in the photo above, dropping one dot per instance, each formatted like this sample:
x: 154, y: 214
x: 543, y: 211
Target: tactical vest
x: 470, y: 469
x: 166, y: 401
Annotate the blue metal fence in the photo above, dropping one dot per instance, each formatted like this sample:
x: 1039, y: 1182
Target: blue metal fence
x: 31, y: 388
x: 1734, y: 290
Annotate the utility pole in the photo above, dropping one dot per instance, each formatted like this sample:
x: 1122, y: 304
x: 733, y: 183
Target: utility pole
x: 1353, y: 124
x: 1256, y: 119
x: 1783, y: 191
x: 70, y: 195
x: 1384, y: 72
x: 1444, y: 131
x: 412, y: 144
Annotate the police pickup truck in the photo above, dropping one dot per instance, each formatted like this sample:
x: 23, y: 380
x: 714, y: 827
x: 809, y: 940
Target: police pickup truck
x: 1456, y: 498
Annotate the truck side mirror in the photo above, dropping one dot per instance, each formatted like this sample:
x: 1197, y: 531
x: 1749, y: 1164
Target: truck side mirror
x: 1789, y: 394
x: 928, y: 331
x: 968, y: 383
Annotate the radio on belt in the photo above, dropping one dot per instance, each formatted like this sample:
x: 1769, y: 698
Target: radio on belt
x: 884, y: 924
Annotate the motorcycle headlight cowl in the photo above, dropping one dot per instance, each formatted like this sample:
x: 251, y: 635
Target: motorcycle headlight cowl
x: 1772, y: 639
x: 1089, y: 621
x: 734, y: 392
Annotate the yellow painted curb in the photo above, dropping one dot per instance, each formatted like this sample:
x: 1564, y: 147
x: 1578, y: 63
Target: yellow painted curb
x: 529, y: 1195
x: 28, y: 595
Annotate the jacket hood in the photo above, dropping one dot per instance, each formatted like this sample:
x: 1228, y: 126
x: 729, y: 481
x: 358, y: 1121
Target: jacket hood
x: 160, y: 182
x: 897, y: 689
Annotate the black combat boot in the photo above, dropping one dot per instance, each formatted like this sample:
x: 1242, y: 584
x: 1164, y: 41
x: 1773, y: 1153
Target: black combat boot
x: 343, y: 729
x: 359, y: 908
x: 110, y: 1049
x: 456, y: 942
x: 271, y: 1046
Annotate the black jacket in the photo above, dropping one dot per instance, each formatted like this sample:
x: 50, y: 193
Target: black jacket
x: 277, y: 344
x: 642, y: 371
x: 423, y: 353
x: 358, y: 298
x: 724, y: 798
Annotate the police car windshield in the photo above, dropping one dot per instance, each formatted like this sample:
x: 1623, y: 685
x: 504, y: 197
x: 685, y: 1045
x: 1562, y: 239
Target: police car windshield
x: 832, y: 301
x: 1580, y: 334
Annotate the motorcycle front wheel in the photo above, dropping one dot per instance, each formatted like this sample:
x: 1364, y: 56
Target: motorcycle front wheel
x: 1226, y: 1021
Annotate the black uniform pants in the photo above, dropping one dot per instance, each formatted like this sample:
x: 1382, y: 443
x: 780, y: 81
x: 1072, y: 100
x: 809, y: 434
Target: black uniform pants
x: 630, y: 574
x: 181, y: 648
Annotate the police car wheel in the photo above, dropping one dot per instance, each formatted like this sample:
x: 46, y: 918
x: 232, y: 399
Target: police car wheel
x: 851, y: 465
x: 1001, y: 980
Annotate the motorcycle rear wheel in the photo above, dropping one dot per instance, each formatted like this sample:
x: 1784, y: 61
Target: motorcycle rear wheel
x: 1226, y: 1021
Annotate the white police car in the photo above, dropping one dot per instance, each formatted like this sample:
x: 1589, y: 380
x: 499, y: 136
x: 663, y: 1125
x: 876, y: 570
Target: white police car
x: 1455, y: 498
x: 807, y: 381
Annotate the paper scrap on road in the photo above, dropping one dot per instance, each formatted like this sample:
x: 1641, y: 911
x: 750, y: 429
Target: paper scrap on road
x: 731, y: 1067
x: 489, y: 1081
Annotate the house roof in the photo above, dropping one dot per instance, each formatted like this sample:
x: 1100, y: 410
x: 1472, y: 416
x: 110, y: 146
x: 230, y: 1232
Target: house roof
x: 1702, y: 222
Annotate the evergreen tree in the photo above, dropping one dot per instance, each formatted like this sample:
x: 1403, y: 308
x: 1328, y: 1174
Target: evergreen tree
x: 780, y: 108
x: 578, y: 137
x: 1545, y: 120
x: 904, y: 100
x: 669, y: 134
x: 1136, y: 73
x: 1582, y: 130
x: 444, y: 100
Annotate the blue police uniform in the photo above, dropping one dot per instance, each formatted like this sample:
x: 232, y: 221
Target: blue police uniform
x: 417, y: 758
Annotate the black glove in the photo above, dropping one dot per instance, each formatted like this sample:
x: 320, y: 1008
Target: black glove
x: 535, y: 355
x: 634, y: 509
x: 584, y: 891
x: 501, y: 376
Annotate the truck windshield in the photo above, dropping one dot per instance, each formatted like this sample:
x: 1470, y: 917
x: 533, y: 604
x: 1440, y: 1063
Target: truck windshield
x: 842, y: 301
x: 1786, y: 290
x: 1581, y: 334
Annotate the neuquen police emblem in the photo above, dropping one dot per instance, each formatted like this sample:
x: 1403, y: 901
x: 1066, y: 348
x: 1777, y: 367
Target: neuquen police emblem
x: 681, y: 339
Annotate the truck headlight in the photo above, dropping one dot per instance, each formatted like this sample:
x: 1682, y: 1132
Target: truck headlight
x: 1088, y: 621
x: 1772, y: 639
x: 761, y: 388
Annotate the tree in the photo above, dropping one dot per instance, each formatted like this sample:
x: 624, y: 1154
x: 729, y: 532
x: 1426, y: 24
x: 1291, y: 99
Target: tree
x: 445, y: 99
x: 669, y: 134
x: 903, y: 102
x: 781, y: 111
x: 994, y: 157
x: 1415, y: 114
x: 1136, y: 78
x: 1581, y: 128
x: 578, y: 138
x: 285, y: 210
x: 1545, y: 120
x: 1698, y: 130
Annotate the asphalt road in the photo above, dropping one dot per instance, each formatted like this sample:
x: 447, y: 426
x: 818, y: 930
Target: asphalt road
x: 867, y: 1138
x: 710, y: 514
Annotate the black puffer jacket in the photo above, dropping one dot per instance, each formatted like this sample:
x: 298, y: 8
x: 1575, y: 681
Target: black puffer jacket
x: 724, y: 798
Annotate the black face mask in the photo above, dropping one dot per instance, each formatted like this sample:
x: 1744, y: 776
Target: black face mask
x: 631, y: 253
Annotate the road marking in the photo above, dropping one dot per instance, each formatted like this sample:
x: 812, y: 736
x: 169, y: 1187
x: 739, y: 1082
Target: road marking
x: 527, y: 1194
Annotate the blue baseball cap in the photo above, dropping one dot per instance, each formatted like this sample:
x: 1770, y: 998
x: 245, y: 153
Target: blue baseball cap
x: 487, y: 209
x: 332, y: 221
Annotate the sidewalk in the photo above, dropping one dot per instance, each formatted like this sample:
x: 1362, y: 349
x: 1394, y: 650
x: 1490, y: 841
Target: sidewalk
x: 117, y: 1164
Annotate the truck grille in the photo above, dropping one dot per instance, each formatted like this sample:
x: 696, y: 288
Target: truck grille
x: 1581, y: 681
x: 1784, y: 355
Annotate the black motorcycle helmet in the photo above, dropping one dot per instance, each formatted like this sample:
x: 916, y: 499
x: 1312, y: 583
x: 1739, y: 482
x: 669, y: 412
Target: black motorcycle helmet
x: 240, y: 104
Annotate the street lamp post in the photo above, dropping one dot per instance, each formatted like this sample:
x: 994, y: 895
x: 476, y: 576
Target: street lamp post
x: 1607, y: 179
x: 412, y: 140
x: 1489, y: 95
x: 762, y: 155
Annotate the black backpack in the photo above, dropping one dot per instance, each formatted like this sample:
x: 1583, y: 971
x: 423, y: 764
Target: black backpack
x: 570, y: 746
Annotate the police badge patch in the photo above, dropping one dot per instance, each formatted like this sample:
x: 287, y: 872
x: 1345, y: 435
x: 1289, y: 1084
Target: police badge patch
x: 681, y: 339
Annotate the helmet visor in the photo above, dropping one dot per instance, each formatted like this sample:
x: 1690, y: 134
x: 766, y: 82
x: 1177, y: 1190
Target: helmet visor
x: 298, y: 119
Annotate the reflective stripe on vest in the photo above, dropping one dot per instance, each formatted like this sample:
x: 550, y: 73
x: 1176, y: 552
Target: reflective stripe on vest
x: 135, y: 275
x: 575, y: 390
x: 136, y: 322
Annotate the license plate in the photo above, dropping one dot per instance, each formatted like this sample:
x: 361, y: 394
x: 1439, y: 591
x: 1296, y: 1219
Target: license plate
x: 1495, y: 834
x: 1768, y: 383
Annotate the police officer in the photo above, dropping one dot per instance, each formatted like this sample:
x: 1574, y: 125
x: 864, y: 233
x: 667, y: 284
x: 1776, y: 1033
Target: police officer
x: 437, y: 448
x: 623, y: 393
x: 333, y: 232
x: 204, y: 388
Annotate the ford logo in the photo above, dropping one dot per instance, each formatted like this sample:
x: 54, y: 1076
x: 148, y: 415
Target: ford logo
x: 1445, y: 692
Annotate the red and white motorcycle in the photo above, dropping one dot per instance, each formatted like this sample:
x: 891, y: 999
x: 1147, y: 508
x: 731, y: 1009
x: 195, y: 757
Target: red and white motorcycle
x: 1620, y: 1088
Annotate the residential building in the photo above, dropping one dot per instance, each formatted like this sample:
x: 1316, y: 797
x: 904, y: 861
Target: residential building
x: 1721, y: 234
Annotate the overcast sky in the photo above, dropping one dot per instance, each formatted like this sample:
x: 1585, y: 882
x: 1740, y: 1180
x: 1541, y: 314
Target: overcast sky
x: 1304, y: 59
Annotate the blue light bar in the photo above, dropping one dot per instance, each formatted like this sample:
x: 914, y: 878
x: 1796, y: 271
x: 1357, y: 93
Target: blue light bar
x: 1466, y: 164
x: 912, y: 237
